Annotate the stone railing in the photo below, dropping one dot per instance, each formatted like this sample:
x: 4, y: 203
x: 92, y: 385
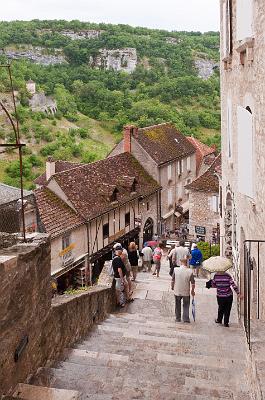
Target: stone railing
x: 34, y: 328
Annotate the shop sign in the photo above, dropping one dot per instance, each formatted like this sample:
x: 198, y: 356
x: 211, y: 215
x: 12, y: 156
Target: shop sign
x: 67, y: 249
x: 200, y: 230
x: 117, y: 235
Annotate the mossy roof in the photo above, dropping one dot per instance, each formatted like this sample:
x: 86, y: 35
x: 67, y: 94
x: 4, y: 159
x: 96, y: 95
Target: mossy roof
x: 164, y: 143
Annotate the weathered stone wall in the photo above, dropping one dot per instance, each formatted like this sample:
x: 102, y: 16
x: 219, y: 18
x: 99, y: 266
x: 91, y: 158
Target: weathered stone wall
x: 201, y: 214
x: 26, y: 309
x: 244, y: 85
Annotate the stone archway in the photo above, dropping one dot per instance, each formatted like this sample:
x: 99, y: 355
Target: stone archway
x: 228, y: 225
x: 148, y: 231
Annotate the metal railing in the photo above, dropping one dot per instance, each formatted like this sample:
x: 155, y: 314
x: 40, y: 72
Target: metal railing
x: 251, y: 277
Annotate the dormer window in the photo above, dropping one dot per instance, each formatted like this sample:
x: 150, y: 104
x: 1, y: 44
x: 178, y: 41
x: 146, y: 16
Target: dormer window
x: 133, y: 187
x: 114, y: 196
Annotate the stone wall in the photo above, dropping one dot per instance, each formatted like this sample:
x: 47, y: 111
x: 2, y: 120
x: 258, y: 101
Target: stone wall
x: 243, y: 85
x: 28, y: 311
x: 201, y: 214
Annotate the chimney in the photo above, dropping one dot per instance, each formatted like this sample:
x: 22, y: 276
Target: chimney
x: 50, y: 167
x: 128, y: 132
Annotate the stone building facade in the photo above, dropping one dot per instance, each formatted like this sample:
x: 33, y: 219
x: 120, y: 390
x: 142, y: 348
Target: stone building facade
x: 86, y: 208
x: 170, y: 158
x: 204, y: 217
x: 243, y: 145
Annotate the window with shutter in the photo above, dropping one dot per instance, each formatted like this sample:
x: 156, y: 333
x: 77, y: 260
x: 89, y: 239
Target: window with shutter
x: 169, y: 172
x: 229, y: 128
x: 244, y: 19
x: 170, y: 200
x: 188, y: 164
x: 245, y: 151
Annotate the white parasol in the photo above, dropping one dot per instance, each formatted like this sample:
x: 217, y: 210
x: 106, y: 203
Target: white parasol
x: 217, y: 264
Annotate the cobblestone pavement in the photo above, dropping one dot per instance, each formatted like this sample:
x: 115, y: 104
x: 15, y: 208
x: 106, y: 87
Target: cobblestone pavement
x: 141, y: 353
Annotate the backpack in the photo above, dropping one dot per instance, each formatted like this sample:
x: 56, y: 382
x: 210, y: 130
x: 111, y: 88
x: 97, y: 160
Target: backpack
x: 157, y: 254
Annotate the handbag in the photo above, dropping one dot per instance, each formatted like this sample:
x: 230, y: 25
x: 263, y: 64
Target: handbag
x: 209, y: 284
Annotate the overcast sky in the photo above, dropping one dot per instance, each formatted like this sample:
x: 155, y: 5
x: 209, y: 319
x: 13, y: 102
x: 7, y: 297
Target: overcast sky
x: 196, y: 15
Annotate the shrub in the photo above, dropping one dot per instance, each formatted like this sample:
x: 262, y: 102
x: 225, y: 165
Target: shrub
x: 89, y: 157
x: 209, y: 250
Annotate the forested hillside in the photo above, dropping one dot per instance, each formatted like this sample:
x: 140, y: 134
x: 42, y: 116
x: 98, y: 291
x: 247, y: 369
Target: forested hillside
x: 102, y: 77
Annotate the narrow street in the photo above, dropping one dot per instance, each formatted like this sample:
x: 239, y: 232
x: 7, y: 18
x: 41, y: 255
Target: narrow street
x: 141, y: 353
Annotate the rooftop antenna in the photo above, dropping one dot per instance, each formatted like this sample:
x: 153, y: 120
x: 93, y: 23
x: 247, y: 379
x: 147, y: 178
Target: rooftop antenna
x: 17, y: 144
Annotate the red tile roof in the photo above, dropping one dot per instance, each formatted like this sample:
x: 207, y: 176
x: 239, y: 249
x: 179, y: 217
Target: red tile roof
x: 56, y: 216
x: 164, y: 143
x: 202, y: 151
x: 90, y: 186
x: 59, y: 167
x: 208, y: 182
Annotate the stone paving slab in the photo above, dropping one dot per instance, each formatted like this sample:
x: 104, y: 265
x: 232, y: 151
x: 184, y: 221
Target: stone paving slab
x: 30, y: 392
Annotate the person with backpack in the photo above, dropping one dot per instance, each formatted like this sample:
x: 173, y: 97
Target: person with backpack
x: 157, y: 255
x: 196, y: 259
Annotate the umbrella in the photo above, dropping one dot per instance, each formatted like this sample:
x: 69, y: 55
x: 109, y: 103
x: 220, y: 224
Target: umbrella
x: 151, y: 243
x: 193, y: 308
x: 217, y: 264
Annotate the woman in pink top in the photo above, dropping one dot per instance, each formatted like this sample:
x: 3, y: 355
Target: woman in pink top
x: 157, y: 255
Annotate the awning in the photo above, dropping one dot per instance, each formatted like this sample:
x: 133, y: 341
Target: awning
x: 185, y: 206
x: 167, y: 215
x: 61, y: 271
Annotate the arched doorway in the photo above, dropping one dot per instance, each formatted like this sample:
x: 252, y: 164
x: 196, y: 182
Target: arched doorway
x: 148, y: 230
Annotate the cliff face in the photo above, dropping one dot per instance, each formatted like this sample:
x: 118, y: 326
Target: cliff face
x: 118, y: 59
x: 205, y: 67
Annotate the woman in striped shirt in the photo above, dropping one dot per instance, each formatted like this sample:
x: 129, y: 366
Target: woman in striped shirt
x: 222, y: 281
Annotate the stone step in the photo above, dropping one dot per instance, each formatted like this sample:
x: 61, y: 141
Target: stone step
x: 173, y: 328
x: 166, y: 323
x: 198, y: 371
x: 147, y: 345
x: 166, y: 336
x: 32, y: 392
x: 147, y: 351
x: 143, y: 382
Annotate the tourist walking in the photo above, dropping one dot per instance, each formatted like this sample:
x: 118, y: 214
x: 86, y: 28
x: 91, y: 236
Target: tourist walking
x: 133, y: 255
x: 172, y: 258
x: 157, y: 255
x: 147, y: 258
x: 181, y: 253
x: 183, y: 284
x: 196, y: 259
x: 223, y: 282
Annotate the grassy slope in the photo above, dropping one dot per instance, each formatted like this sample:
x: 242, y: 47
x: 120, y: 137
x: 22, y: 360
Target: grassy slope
x: 100, y: 140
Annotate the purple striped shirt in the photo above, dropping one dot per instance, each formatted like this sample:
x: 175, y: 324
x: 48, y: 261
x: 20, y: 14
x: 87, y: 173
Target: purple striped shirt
x: 223, y: 283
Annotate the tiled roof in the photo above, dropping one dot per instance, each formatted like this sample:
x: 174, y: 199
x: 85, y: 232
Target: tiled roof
x: 10, y: 193
x: 56, y: 216
x: 208, y: 182
x: 59, y: 167
x: 202, y: 151
x: 164, y: 143
x: 90, y: 186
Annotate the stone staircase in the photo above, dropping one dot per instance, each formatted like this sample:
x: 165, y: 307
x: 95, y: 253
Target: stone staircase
x: 141, y: 353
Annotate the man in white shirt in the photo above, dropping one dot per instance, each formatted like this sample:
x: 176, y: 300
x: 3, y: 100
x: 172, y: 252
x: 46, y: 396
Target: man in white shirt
x: 181, y: 253
x: 183, y: 284
x: 147, y: 258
